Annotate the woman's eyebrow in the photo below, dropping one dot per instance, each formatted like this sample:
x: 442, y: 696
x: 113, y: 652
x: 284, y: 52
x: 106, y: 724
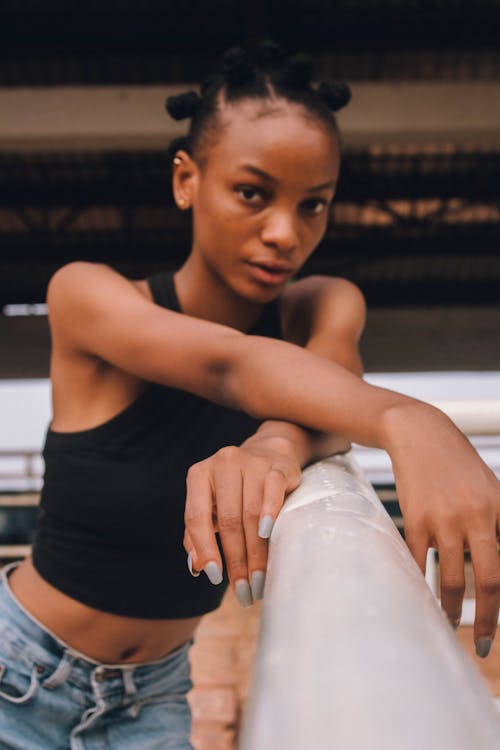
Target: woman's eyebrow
x: 323, y: 186
x: 260, y: 173
x: 269, y: 177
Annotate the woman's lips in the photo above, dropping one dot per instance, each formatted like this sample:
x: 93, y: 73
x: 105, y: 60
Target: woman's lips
x: 269, y: 273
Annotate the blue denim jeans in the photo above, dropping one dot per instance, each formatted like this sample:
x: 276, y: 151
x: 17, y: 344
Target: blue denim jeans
x: 55, y: 698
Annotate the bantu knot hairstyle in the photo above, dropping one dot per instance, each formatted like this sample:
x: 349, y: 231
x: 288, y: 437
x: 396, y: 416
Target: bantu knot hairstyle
x: 269, y: 55
x: 268, y: 74
x: 335, y: 95
x: 298, y: 72
x: 237, y: 68
x: 183, y: 105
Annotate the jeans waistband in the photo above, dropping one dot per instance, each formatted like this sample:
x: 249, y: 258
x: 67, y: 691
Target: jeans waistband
x: 36, y: 632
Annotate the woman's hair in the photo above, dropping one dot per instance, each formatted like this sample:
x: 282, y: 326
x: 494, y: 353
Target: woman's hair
x: 268, y: 75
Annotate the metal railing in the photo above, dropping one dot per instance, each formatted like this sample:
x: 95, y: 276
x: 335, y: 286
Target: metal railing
x: 21, y: 473
x: 21, y: 468
x: 474, y: 417
x: 354, y: 652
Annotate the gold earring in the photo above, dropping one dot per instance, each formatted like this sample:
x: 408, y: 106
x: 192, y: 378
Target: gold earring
x: 182, y: 201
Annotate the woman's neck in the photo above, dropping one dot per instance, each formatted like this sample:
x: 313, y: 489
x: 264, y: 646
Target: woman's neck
x: 204, y: 295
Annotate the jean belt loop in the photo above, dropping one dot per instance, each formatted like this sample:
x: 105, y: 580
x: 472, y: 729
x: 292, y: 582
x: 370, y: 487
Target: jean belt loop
x: 128, y: 682
x: 61, y: 673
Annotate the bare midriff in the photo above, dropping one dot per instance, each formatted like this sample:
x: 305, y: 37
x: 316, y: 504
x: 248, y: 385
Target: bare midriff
x: 103, y: 637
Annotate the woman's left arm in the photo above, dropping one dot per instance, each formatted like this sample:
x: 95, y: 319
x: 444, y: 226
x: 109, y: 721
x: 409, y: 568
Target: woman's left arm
x: 326, y: 316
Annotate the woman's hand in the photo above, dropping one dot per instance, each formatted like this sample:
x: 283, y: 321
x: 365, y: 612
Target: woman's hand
x: 450, y: 500
x: 238, y: 492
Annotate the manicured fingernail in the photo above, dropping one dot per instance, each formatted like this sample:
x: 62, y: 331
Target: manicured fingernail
x: 483, y: 646
x: 194, y: 573
x: 243, y: 593
x: 258, y: 580
x: 265, y: 527
x: 213, y: 572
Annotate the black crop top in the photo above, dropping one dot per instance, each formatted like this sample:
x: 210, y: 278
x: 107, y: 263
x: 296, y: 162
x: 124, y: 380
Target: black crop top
x: 111, y: 520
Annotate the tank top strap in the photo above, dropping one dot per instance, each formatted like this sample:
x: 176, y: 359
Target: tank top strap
x: 269, y: 323
x: 163, y: 290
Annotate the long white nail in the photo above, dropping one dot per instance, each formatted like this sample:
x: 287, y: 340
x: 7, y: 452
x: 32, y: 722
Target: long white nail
x: 213, y: 572
x: 483, y: 646
x: 194, y: 573
x: 265, y: 527
x: 258, y: 580
x: 243, y: 592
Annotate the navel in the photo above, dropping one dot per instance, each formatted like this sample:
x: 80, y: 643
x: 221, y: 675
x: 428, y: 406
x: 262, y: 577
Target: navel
x: 129, y: 652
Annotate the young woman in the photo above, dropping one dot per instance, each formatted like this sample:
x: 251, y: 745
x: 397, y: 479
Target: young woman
x: 224, y: 378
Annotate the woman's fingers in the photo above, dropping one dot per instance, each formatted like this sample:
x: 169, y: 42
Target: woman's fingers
x: 228, y: 487
x: 486, y: 565
x: 451, y: 565
x: 198, y: 519
x: 232, y: 492
x: 278, y: 483
x: 192, y: 558
x: 452, y: 575
x: 417, y: 539
x: 482, y: 542
x: 256, y: 546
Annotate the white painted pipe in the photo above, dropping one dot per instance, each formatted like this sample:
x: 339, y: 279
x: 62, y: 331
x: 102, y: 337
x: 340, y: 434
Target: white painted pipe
x: 353, y: 650
x: 474, y: 417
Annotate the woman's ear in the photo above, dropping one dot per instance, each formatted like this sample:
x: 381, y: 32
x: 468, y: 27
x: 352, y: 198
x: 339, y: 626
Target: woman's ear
x: 184, y: 180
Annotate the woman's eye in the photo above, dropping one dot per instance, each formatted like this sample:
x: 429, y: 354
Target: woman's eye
x: 249, y: 194
x: 315, y: 206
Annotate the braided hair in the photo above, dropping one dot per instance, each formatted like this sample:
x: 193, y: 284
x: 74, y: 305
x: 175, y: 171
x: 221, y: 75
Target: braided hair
x: 268, y: 75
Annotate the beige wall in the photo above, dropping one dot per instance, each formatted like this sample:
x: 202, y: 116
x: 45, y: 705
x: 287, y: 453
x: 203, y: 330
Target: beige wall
x: 464, y: 114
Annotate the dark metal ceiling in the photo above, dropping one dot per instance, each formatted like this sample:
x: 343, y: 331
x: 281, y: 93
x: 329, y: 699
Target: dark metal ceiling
x: 410, y: 229
x: 133, y: 178
x: 129, y: 42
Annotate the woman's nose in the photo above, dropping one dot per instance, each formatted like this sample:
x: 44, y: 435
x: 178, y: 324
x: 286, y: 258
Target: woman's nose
x: 280, y: 232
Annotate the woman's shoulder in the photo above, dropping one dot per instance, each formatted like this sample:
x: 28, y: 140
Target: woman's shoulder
x: 97, y: 315
x: 83, y: 290
x: 80, y: 277
x: 321, y: 301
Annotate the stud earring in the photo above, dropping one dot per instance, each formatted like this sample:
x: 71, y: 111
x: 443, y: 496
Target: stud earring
x: 177, y: 160
x: 181, y: 201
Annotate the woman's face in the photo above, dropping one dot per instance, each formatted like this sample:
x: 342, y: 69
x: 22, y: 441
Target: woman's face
x: 261, y: 199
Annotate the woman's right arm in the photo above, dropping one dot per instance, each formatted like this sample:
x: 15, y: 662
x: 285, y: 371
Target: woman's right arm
x: 96, y: 311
